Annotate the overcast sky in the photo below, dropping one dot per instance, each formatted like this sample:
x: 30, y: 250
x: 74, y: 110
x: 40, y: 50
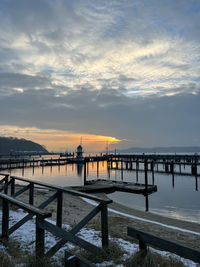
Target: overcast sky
x: 126, y: 72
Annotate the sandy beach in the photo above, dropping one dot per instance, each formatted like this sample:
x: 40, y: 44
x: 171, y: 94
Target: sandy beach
x: 75, y: 209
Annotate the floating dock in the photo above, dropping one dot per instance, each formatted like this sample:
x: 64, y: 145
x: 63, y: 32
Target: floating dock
x: 110, y: 186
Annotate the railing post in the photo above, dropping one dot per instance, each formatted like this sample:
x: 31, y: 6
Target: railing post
x: 39, y: 244
x: 104, y: 225
x: 31, y: 193
x: 12, y: 186
x: 142, y: 245
x: 59, y: 208
x: 5, y: 182
x: 5, y: 218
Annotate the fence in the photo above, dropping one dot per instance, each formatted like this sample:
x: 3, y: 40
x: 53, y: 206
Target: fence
x: 146, y: 238
x: 41, y: 224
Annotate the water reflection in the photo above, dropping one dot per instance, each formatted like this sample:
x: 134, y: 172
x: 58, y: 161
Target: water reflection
x: 79, y: 167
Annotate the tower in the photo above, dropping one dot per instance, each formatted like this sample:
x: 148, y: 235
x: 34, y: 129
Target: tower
x: 79, y: 152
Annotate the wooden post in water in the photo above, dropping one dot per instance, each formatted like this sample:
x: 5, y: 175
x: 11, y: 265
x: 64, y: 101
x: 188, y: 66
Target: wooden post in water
x: 33, y: 170
x: 42, y: 165
x: 137, y: 167
x: 146, y: 184
x: 116, y: 167
x: 122, y: 174
x: 85, y: 176
x: 131, y: 165
x: 152, y: 169
x: 172, y: 171
x: 196, y: 182
x: 87, y: 168
x: 196, y: 174
x: 108, y: 168
x: 126, y: 165
x: 97, y: 168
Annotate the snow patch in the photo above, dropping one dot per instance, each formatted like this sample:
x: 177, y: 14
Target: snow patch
x: 26, y: 237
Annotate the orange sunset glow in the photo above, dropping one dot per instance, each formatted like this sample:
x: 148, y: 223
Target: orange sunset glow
x: 60, y: 140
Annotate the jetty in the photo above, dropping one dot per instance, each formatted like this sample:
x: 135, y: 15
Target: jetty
x: 110, y: 186
x: 161, y: 163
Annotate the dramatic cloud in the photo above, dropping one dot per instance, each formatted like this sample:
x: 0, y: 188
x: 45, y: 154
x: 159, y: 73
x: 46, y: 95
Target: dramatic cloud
x: 129, y: 69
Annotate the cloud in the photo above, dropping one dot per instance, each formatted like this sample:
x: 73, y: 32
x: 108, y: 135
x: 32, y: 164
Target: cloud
x: 153, y: 120
x: 102, y: 67
x: 146, y: 44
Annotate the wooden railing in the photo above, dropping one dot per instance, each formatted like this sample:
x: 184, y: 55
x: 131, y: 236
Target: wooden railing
x: 9, y: 182
x: 161, y: 243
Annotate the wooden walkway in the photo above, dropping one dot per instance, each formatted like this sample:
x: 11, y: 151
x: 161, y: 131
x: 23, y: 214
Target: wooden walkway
x: 110, y: 186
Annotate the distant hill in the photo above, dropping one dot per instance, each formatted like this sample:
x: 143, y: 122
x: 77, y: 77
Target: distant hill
x: 173, y: 149
x: 11, y: 145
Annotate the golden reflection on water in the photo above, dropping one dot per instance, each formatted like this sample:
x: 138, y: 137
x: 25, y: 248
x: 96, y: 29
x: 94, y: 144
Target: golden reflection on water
x: 63, y: 175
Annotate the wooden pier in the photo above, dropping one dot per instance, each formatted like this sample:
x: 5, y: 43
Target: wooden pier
x: 110, y: 186
x: 116, y: 161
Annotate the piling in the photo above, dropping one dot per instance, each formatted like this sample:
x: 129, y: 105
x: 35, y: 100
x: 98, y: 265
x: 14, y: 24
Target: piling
x: 146, y: 184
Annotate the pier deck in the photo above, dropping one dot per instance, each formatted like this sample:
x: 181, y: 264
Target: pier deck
x: 110, y: 186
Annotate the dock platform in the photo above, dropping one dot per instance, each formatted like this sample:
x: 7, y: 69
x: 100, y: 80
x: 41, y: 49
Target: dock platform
x: 110, y: 186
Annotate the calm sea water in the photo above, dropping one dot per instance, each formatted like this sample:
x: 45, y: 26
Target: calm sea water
x: 180, y: 199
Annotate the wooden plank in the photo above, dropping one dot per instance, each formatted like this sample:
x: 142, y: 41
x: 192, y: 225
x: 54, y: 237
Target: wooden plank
x: 20, y: 223
x: 86, y: 219
x: 22, y: 190
x: 165, y: 244
x: 25, y: 206
x: 69, y: 191
x: 48, y: 201
x: 30, y: 216
x: 74, y: 231
x: 59, y: 232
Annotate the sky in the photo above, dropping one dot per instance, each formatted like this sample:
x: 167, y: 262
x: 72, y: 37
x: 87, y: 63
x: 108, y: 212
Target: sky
x: 118, y: 74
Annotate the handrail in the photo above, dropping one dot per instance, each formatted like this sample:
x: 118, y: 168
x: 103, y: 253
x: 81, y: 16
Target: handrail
x: 146, y: 238
x: 25, y: 206
x: 4, y: 174
x: 42, y: 224
x: 69, y: 191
